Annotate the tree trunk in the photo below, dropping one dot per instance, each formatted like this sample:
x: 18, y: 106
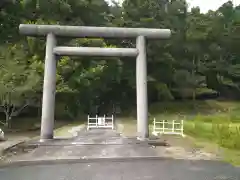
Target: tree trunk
x: 194, y: 95
x: 8, y: 120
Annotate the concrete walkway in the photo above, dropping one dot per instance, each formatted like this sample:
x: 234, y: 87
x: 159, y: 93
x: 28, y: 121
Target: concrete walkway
x: 100, y: 143
x: 104, y: 154
x: 88, y: 145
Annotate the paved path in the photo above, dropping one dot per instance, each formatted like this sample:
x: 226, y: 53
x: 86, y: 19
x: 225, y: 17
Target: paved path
x: 92, y: 144
x: 104, y: 144
x: 127, y: 170
x: 103, y: 155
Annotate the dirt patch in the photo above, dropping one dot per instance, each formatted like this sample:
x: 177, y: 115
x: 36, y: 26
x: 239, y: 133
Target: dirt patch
x: 17, y: 150
x: 186, y: 148
x: 178, y: 147
x: 127, y: 128
x: 179, y: 141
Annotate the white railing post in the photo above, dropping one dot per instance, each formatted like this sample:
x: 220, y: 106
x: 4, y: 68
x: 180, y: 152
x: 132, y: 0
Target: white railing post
x: 112, y: 122
x: 163, y: 127
x: 88, y: 122
x: 96, y: 121
x: 182, y: 128
x: 173, y: 126
x: 154, y: 125
x: 101, y: 122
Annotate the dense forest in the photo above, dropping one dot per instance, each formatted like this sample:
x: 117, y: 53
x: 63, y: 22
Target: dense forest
x: 201, y: 59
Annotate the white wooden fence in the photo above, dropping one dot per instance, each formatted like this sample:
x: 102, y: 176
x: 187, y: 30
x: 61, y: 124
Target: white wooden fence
x: 1, y: 135
x: 100, y: 122
x: 168, y: 127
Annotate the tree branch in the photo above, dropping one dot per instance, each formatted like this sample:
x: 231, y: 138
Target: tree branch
x: 2, y: 123
x: 19, y: 110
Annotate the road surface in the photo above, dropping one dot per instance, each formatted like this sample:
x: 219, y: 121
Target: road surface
x: 128, y: 170
x: 104, y: 155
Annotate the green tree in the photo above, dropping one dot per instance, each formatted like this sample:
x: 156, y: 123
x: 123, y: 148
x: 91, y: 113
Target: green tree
x: 18, y: 82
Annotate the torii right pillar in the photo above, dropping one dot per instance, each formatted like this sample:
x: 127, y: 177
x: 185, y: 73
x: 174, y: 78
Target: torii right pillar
x: 141, y: 87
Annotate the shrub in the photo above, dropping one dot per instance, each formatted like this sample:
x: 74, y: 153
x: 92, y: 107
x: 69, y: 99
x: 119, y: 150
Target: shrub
x: 219, y: 129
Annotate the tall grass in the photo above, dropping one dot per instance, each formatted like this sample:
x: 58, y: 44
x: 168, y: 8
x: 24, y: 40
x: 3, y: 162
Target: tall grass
x: 217, y: 122
x: 220, y: 129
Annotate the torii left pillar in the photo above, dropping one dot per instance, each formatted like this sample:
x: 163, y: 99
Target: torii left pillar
x: 49, y: 89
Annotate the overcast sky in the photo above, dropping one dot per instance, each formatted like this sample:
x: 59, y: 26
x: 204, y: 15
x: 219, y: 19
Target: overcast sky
x: 204, y: 5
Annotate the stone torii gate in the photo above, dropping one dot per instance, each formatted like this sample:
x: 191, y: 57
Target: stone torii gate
x: 49, y: 87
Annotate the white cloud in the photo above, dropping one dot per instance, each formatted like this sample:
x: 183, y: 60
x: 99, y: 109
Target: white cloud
x: 204, y: 5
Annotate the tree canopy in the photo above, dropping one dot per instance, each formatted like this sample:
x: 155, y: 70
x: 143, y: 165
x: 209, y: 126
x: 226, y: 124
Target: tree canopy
x: 201, y: 57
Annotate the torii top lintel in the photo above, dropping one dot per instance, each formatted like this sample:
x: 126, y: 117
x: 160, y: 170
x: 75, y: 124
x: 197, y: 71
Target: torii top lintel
x: 91, y: 31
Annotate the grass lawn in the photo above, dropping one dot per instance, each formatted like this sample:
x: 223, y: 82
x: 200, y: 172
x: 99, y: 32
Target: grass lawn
x: 64, y: 131
x: 211, y: 125
x: 129, y: 128
x: 30, y: 127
